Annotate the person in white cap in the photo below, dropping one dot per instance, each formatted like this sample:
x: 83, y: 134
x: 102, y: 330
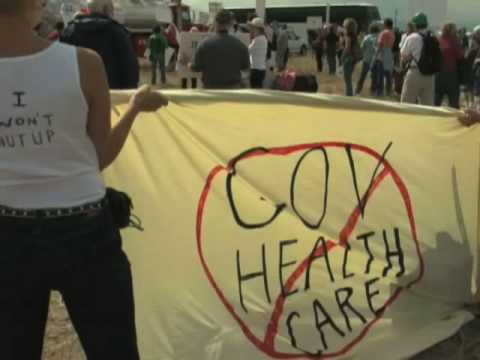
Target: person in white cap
x: 258, y: 53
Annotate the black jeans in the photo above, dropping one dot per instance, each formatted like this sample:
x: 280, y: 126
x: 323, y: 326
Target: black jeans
x: 82, y: 258
x: 319, y: 58
x: 332, y: 63
x: 256, y: 78
x: 185, y: 83
x: 447, y: 84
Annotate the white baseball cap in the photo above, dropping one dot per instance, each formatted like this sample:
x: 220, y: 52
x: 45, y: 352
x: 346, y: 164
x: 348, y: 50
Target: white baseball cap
x: 257, y: 22
x: 476, y: 31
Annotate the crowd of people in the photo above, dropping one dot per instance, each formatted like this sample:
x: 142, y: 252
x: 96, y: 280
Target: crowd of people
x: 422, y: 67
x: 418, y: 65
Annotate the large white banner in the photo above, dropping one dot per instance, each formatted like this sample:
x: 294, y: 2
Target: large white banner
x: 289, y: 226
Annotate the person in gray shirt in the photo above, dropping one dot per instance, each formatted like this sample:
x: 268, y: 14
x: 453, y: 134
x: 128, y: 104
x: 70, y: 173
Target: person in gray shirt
x: 222, y: 57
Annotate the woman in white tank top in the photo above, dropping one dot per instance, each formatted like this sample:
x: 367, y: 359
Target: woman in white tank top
x: 56, y: 231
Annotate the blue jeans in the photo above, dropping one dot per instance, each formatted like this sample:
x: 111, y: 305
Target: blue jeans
x: 348, y: 67
x: 81, y: 257
x: 383, y: 79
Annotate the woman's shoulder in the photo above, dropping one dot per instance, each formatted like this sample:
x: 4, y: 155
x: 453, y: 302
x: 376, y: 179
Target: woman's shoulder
x: 88, y: 58
x: 91, y: 70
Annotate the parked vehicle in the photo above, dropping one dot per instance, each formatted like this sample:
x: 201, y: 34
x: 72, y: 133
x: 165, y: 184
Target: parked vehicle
x: 138, y: 16
x: 296, y: 44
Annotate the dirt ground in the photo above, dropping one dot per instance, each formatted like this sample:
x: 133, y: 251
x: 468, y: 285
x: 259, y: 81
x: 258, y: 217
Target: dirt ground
x: 327, y: 84
x: 61, y: 342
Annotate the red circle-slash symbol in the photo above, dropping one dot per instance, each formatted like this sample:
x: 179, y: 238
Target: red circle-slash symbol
x: 267, y: 344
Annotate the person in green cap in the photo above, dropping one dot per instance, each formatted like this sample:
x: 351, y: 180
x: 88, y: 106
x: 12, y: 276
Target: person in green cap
x: 421, y: 52
x: 157, y: 45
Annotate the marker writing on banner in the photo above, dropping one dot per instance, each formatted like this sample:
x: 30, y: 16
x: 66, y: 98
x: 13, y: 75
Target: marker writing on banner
x: 323, y: 319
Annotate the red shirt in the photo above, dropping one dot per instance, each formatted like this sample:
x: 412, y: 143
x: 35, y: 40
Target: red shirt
x: 452, y: 52
x: 386, y: 39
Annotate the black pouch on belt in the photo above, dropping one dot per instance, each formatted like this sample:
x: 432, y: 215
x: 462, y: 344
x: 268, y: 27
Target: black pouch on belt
x: 121, y: 206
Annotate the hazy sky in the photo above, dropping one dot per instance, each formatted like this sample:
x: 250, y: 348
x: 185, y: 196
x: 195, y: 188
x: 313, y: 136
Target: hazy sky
x: 461, y: 11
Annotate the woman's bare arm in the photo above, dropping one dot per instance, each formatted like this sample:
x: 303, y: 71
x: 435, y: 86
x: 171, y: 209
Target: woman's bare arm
x: 109, y: 141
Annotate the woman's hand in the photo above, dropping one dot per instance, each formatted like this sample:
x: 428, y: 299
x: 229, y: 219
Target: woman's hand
x: 469, y: 117
x: 146, y: 100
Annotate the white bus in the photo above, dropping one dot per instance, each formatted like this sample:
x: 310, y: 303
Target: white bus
x: 296, y: 17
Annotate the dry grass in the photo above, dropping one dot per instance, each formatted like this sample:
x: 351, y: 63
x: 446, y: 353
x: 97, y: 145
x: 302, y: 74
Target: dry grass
x: 305, y: 64
x: 61, y: 341
x: 332, y: 85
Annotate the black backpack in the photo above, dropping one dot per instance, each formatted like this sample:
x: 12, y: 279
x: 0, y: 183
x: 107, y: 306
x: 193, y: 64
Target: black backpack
x: 306, y: 83
x: 431, y: 59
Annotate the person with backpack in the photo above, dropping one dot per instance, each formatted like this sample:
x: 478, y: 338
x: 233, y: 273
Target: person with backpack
x: 369, y: 49
x: 447, y: 80
x: 421, y: 52
x: 351, y: 54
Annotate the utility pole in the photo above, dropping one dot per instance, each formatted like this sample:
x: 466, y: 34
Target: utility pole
x: 327, y: 20
x: 179, y: 11
x: 260, y: 8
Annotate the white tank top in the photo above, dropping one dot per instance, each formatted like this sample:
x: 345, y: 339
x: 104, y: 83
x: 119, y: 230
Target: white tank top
x: 47, y: 160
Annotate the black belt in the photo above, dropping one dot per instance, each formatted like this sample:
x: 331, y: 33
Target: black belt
x: 6, y: 211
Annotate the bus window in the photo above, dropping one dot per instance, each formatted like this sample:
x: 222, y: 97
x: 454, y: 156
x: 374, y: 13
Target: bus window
x: 373, y: 14
x: 241, y: 15
x: 363, y: 14
x: 294, y: 14
x: 186, y: 15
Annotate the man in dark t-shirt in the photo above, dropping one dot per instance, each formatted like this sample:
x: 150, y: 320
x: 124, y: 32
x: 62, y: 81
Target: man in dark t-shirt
x: 222, y: 57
